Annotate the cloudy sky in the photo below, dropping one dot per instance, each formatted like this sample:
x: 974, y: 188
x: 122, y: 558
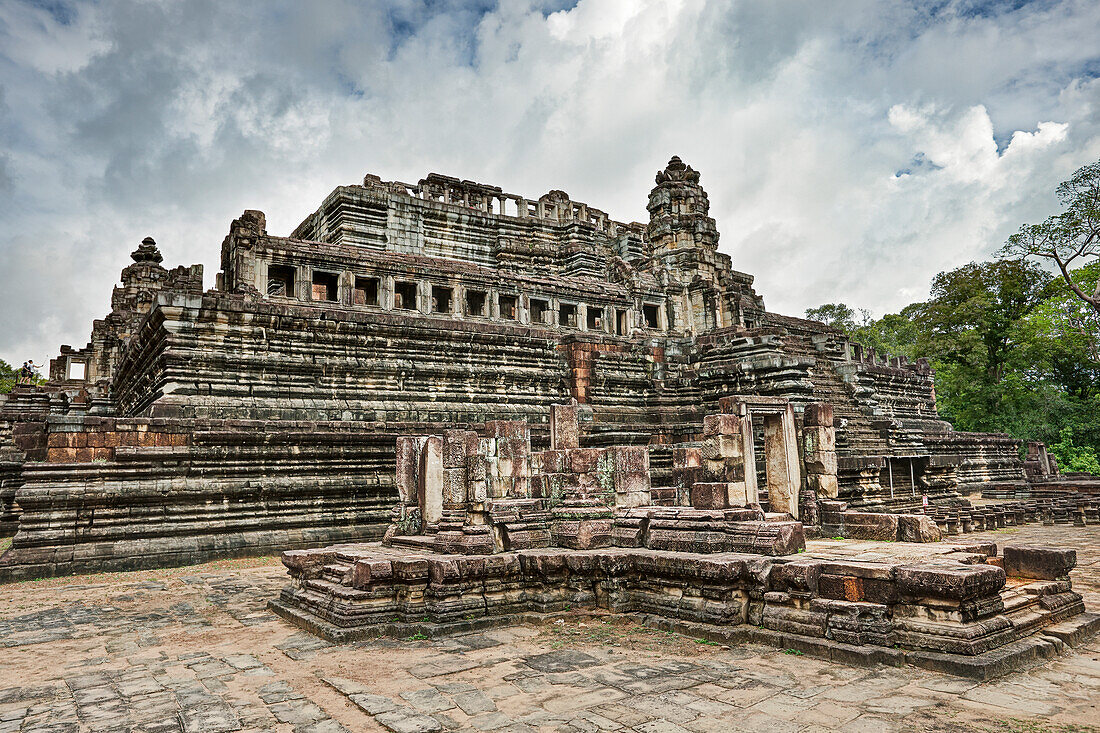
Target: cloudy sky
x: 851, y: 149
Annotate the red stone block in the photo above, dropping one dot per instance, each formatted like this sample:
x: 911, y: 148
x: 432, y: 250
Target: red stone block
x: 818, y: 414
x: 686, y: 457
x: 721, y: 425
x: 710, y: 496
x: 583, y: 460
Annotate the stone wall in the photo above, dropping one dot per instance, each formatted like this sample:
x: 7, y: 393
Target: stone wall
x: 981, y: 458
x: 955, y: 614
x: 176, y: 492
x: 231, y: 356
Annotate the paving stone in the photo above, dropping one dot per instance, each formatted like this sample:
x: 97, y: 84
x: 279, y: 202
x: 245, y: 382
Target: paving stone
x: 297, y: 712
x: 474, y: 702
x: 897, y: 704
x: 407, y: 720
x: 346, y: 686
x: 1009, y: 702
x: 490, y: 721
x: 209, y: 719
x: 761, y: 723
x: 278, y: 692
x: 565, y: 660
x: 428, y: 700
x: 442, y: 667
x: 373, y: 704
x: 828, y: 714
x: 243, y: 661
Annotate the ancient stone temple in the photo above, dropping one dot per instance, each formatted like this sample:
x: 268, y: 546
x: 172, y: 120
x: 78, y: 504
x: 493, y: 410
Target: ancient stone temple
x: 401, y: 321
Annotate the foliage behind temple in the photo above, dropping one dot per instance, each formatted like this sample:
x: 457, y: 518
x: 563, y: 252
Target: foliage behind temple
x: 1015, y: 350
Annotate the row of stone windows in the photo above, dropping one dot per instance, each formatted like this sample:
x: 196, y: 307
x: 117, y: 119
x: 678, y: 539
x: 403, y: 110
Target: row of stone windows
x: 367, y: 291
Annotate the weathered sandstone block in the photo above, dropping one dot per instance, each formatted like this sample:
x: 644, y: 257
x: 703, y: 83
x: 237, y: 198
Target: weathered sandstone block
x: 1043, y: 563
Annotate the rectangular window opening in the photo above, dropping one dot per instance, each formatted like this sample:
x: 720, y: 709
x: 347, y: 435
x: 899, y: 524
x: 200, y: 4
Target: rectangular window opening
x: 404, y: 296
x: 540, y: 311
x: 622, y: 323
x: 507, y: 307
x: 475, y: 302
x: 280, y: 280
x: 594, y: 320
x: 324, y: 286
x: 441, y: 299
x: 77, y: 370
x: 366, y: 291
x: 567, y: 315
x: 649, y: 312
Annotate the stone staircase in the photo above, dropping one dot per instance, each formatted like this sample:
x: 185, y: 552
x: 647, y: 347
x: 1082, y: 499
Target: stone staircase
x: 856, y: 433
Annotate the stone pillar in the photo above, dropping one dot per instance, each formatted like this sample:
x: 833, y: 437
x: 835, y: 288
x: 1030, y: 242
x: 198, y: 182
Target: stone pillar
x: 631, y: 476
x: 793, y: 461
x: 385, y: 292
x: 724, y: 461
x: 564, y: 426
x: 424, y: 296
x: 430, y: 487
x: 819, y: 454
x: 406, y: 518
x: 454, y: 470
x: 511, y: 471
x: 687, y: 470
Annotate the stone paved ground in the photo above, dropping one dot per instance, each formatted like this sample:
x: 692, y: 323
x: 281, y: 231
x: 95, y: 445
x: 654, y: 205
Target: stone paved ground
x: 194, y: 649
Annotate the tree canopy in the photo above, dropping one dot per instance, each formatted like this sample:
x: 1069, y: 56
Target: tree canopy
x: 9, y: 377
x: 1071, y: 238
x: 1015, y: 350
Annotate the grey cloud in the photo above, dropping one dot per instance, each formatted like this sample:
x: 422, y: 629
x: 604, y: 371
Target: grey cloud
x: 170, y: 118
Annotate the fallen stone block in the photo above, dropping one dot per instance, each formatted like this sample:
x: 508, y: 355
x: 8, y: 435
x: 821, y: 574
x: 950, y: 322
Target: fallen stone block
x: 917, y: 528
x: 871, y: 526
x: 952, y: 582
x: 1041, y: 563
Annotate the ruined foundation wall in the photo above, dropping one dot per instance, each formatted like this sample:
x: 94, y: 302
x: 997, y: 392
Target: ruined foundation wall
x: 22, y: 430
x: 983, y: 458
x: 230, y: 356
x: 125, y: 493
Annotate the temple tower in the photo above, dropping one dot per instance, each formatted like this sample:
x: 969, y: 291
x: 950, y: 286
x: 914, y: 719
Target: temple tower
x: 684, y: 242
x: 679, y: 220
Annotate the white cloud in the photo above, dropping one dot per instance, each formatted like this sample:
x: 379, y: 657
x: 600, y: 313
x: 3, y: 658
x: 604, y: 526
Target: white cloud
x: 122, y: 119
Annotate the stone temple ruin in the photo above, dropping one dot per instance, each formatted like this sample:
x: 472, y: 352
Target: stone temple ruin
x: 533, y: 407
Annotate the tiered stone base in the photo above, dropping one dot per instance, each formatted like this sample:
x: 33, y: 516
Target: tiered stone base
x: 952, y: 612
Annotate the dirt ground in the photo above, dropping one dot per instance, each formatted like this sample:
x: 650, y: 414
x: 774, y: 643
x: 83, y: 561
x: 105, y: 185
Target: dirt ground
x: 194, y: 649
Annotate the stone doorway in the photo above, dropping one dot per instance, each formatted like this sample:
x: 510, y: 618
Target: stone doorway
x: 782, y: 475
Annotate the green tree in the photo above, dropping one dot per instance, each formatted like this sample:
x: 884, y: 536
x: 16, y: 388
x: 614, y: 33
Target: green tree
x: 837, y: 315
x: 1073, y: 456
x: 9, y: 377
x: 894, y: 334
x: 1070, y: 237
x: 1014, y: 348
x: 970, y: 326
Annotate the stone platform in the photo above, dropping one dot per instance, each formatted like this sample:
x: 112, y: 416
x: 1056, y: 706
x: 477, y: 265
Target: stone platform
x: 951, y: 608
x: 192, y: 649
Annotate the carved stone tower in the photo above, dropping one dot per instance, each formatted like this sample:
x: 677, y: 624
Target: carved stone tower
x: 684, y: 242
x: 679, y: 209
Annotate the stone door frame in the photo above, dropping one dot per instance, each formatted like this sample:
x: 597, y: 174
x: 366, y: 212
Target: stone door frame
x: 783, y: 469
